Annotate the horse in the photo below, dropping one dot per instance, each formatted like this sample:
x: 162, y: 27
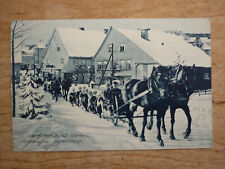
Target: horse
x: 56, y: 90
x: 66, y: 84
x: 180, y: 89
x: 149, y: 94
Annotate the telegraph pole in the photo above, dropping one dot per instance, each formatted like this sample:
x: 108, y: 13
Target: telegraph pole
x: 112, y: 75
x: 112, y: 65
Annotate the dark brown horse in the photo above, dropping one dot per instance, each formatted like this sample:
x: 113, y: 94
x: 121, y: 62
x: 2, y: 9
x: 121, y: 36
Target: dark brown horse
x: 149, y: 94
x: 180, y: 89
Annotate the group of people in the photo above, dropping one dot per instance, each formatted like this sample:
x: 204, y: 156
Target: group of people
x: 96, y: 101
x: 58, y: 87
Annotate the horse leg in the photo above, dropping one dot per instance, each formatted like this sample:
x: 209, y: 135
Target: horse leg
x: 131, y: 123
x: 66, y: 93
x: 63, y: 92
x: 150, y: 124
x: 187, y: 112
x: 163, y: 122
x: 159, y: 115
x: 144, y: 124
x: 172, y: 113
x: 56, y: 97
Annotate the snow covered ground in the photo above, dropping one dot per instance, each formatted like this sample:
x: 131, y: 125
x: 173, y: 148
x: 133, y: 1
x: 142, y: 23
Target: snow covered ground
x: 71, y: 128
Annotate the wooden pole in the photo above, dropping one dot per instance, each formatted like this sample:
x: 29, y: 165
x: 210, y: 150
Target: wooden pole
x: 112, y: 75
x: 103, y: 74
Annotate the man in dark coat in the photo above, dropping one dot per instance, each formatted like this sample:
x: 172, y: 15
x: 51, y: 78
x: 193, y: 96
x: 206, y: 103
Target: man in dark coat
x: 84, y: 99
x: 78, y: 93
x: 108, y: 99
x: 116, y: 96
x: 92, y: 101
x: 56, y: 89
x: 72, y: 97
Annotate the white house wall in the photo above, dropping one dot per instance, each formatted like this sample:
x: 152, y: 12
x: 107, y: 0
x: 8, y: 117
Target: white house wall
x: 75, y: 62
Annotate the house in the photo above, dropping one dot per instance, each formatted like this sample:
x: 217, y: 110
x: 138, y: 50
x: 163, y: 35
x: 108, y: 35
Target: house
x: 69, y: 53
x: 201, y: 40
x: 135, y: 52
x: 130, y: 61
x: 32, y: 55
x: 28, y: 57
x: 39, y: 52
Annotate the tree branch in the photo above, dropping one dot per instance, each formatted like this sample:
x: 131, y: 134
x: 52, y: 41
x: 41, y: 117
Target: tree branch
x: 20, y: 43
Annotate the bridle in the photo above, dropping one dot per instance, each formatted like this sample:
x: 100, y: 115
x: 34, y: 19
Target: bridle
x: 153, y: 85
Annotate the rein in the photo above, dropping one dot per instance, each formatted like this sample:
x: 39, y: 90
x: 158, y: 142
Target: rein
x: 152, y: 85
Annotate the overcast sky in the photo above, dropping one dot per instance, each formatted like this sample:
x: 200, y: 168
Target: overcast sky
x: 42, y: 29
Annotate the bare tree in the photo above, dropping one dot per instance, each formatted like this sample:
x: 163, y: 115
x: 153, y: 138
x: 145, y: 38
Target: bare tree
x: 17, y: 39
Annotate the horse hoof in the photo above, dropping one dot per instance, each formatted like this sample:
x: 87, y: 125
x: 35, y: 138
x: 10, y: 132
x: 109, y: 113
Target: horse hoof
x: 161, y: 143
x: 172, y: 137
x: 135, y: 134
x: 149, y: 126
x: 187, y: 133
x: 142, y: 139
x: 164, y: 131
x: 129, y: 131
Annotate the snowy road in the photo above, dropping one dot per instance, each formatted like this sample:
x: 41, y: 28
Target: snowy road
x: 71, y: 128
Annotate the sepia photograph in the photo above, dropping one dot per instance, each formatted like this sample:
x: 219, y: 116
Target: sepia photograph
x: 111, y: 84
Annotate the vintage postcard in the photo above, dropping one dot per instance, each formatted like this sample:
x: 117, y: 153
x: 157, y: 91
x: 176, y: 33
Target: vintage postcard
x: 111, y: 84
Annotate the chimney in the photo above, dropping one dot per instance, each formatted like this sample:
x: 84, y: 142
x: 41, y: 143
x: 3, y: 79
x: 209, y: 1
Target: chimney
x: 82, y: 28
x: 106, y: 31
x: 144, y: 34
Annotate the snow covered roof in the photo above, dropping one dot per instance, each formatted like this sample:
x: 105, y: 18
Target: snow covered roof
x: 28, y: 50
x: 80, y: 43
x: 191, y: 39
x: 168, y: 49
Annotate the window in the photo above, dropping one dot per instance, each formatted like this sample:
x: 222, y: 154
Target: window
x: 99, y: 65
x: 122, y: 48
x: 128, y: 65
x: 82, y: 61
x: 75, y: 62
x: 58, y: 47
x: 50, y: 66
x: 110, y: 47
x: 122, y: 65
x: 206, y: 76
x: 116, y: 66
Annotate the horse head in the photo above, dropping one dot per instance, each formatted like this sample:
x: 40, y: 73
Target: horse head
x: 160, y: 80
x: 184, y: 75
x: 189, y: 79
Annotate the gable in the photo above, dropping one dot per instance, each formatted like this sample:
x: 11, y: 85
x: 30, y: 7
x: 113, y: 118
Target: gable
x: 56, y: 54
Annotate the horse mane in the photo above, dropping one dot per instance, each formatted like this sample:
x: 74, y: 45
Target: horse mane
x: 151, y: 83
